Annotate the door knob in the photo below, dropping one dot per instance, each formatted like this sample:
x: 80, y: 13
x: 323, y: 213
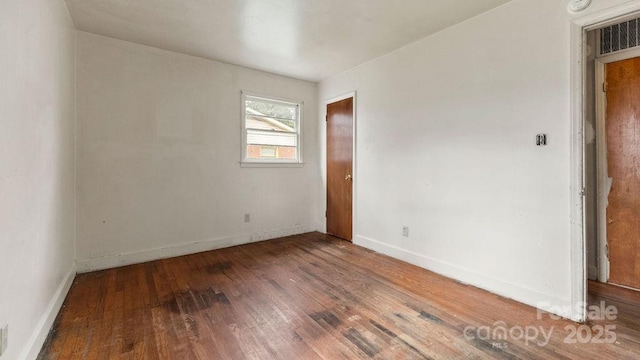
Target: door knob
x: 348, y: 177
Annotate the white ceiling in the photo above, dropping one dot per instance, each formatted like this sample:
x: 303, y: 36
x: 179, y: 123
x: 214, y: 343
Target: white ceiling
x: 306, y: 39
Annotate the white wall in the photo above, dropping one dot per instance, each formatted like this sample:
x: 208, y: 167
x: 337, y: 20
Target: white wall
x: 159, y: 150
x: 37, y: 190
x: 446, y: 145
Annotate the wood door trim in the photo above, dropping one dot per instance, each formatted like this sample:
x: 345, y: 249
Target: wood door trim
x: 354, y: 195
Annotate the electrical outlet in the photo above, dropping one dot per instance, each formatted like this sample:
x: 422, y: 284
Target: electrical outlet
x: 4, y: 338
x: 247, y: 217
x: 405, y: 231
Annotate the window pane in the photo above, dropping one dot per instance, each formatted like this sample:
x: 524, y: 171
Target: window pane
x: 273, y: 109
x: 269, y: 124
x: 266, y: 152
x: 272, y: 113
x: 257, y: 137
x: 271, y: 129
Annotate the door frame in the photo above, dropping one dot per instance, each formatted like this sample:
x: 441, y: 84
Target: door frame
x: 354, y: 173
x: 598, y: 17
x: 601, y: 158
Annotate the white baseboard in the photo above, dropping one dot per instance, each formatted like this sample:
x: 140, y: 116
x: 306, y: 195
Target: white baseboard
x: 557, y: 305
x: 111, y: 261
x: 45, y: 324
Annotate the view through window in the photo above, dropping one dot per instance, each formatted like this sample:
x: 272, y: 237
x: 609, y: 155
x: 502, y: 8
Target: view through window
x: 271, y: 130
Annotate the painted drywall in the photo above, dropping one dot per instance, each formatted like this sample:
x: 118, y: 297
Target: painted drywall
x: 158, y: 156
x: 37, y: 190
x: 445, y: 144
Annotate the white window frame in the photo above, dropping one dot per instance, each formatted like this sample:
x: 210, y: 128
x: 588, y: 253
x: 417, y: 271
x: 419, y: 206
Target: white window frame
x: 244, y: 161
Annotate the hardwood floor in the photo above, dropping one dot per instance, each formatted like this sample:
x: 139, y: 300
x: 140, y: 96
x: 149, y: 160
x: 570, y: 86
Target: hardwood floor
x: 314, y: 296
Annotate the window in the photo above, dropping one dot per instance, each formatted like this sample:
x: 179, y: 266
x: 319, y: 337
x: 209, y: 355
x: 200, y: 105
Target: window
x: 270, y: 130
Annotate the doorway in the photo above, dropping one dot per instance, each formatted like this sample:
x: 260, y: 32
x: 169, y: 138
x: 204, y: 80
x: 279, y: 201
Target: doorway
x: 612, y: 153
x: 340, y: 121
x: 589, y: 258
x: 618, y: 168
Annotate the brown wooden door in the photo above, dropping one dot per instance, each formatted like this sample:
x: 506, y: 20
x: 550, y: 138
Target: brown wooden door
x: 339, y: 168
x: 623, y: 166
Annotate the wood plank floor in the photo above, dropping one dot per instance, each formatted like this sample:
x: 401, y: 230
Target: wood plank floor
x: 313, y: 296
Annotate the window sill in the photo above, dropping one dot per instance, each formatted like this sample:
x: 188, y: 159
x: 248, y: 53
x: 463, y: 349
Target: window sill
x: 264, y: 164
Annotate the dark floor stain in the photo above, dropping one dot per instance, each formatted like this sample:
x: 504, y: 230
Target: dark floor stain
x: 205, y: 299
x: 53, y: 333
x: 277, y: 286
x: 328, y: 318
x: 398, y: 315
x: 189, y: 305
x: 219, y: 268
x: 172, y: 306
x: 383, y: 329
x: 177, y: 304
x: 220, y: 298
x: 296, y: 337
x: 394, y: 336
x: 430, y: 317
x: 361, y: 342
x: 193, y: 301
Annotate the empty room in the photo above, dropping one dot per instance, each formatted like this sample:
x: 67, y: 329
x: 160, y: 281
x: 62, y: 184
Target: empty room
x: 319, y: 179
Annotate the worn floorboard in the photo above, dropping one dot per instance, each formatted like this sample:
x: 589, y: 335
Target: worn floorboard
x: 314, y: 296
